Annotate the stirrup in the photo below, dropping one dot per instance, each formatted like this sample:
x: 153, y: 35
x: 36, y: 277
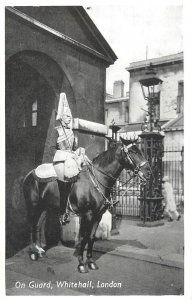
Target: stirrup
x: 38, y: 249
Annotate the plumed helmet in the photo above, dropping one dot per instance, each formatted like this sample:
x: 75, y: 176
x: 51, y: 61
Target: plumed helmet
x: 63, y: 107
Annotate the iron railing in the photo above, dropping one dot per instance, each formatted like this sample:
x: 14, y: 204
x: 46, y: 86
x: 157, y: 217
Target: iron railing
x: 173, y: 167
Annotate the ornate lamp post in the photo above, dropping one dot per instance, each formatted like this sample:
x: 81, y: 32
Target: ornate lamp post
x: 152, y: 147
x: 114, y: 229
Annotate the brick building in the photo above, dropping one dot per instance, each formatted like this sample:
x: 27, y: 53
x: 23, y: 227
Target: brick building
x: 169, y: 111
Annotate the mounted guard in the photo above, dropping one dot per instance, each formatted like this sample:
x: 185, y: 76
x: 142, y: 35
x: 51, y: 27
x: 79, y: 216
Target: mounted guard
x: 68, y: 159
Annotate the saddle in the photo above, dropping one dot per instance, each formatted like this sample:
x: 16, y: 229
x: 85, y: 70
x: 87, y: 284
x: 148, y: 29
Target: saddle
x: 66, y: 166
x: 68, y: 170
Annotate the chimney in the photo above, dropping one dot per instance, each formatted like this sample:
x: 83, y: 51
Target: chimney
x: 118, y: 89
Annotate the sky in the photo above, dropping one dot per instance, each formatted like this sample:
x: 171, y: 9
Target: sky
x: 136, y: 29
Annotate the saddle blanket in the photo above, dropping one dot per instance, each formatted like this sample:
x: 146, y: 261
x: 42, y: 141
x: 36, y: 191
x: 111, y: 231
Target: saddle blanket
x: 46, y: 172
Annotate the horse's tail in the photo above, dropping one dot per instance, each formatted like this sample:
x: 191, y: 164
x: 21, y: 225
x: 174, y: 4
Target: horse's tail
x: 31, y: 192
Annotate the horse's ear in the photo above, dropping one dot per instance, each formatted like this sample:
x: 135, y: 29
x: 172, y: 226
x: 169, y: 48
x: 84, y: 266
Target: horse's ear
x: 125, y: 142
x: 108, y: 138
x: 128, y: 142
x: 112, y: 143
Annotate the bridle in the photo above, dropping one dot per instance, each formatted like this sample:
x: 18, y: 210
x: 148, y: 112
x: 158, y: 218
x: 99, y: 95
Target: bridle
x: 131, y: 160
x: 137, y: 169
x: 97, y: 183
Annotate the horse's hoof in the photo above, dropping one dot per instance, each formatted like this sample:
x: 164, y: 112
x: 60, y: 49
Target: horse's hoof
x: 33, y: 256
x: 92, y: 265
x: 82, y: 269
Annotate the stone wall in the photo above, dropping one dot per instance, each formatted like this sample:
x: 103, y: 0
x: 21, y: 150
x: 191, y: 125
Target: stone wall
x: 57, y: 67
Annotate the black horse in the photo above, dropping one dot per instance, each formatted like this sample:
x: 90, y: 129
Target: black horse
x: 88, y: 196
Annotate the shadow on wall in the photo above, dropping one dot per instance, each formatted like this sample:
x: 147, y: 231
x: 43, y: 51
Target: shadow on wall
x: 25, y: 143
x: 17, y: 227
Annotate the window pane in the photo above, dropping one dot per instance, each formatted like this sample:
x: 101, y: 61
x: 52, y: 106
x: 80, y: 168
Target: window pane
x: 34, y: 106
x: 34, y: 119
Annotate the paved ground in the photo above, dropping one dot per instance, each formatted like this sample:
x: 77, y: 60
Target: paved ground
x: 145, y: 261
x: 125, y: 276
x: 162, y: 243
x: 168, y: 238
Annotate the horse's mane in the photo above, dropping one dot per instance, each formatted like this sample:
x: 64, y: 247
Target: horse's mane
x: 106, y: 157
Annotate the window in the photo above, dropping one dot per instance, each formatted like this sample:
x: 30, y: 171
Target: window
x: 34, y: 114
x: 180, y: 97
x: 126, y: 114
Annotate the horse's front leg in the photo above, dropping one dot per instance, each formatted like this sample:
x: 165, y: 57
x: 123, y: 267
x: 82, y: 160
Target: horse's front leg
x: 85, y: 228
x: 91, y: 263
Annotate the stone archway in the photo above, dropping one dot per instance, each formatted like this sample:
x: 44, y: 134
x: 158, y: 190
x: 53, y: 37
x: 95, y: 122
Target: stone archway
x: 33, y: 84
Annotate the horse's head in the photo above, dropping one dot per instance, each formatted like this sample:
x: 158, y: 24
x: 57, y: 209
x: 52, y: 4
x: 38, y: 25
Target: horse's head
x: 133, y: 159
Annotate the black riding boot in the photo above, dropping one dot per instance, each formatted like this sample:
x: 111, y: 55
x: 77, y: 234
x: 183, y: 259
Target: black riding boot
x: 64, y: 189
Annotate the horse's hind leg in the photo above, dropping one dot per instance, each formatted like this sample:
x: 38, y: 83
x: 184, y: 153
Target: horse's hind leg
x: 40, y: 232
x: 34, y: 208
x: 37, y: 220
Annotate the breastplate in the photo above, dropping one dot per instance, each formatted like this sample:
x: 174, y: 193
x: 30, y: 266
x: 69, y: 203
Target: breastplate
x: 64, y: 145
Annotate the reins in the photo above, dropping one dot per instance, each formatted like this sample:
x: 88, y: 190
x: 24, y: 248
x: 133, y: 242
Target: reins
x: 110, y: 176
x: 97, y: 183
x: 107, y: 201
